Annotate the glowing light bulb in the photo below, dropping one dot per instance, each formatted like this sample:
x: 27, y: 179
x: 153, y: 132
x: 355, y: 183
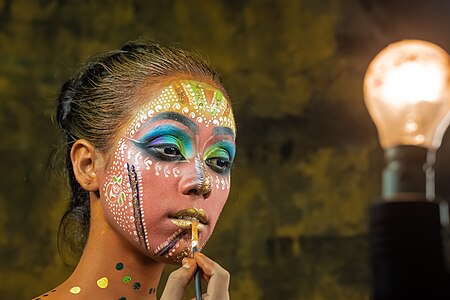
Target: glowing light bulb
x: 407, y: 93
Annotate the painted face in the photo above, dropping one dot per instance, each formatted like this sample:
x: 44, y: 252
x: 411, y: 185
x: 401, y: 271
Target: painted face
x: 172, y: 165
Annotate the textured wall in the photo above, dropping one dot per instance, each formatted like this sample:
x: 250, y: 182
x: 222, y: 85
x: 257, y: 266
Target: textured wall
x: 308, y: 159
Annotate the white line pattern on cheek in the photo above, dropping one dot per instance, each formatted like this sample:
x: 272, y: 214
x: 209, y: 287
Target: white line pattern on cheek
x: 157, y: 168
x: 217, y: 182
x: 166, y: 171
x: 222, y: 181
x: 130, y: 153
x: 137, y: 158
x: 176, y: 172
x: 147, y: 163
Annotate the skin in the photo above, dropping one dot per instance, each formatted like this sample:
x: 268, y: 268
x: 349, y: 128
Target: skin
x: 145, y: 236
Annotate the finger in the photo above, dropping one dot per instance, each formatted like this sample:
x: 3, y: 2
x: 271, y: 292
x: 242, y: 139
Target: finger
x: 219, y: 278
x: 178, y: 280
x: 204, y: 296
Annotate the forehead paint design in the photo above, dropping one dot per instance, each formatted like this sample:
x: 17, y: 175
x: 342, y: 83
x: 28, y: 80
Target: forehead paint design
x: 196, y: 100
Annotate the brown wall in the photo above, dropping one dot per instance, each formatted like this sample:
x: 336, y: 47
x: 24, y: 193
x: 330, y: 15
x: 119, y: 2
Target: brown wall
x: 308, y: 160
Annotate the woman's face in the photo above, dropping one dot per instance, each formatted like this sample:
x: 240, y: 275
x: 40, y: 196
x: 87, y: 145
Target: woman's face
x: 171, y: 165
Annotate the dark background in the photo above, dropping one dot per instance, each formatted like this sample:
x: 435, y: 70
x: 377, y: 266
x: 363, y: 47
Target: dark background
x: 308, y: 161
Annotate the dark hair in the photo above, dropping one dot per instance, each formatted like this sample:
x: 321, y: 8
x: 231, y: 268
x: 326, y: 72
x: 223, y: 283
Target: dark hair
x: 97, y: 100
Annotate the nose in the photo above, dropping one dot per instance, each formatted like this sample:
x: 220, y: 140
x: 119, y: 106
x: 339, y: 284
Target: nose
x: 195, y: 180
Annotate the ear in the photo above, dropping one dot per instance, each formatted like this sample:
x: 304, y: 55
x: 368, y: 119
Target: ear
x: 83, y: 156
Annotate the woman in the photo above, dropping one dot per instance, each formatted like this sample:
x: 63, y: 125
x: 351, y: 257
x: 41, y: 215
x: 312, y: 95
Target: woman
x: 150, y: 142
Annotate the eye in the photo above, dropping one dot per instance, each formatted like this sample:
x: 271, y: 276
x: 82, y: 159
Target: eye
x: 166, y: 152
x: 218, y: 164
x: 170, y: 150
x: 167, y: 142
x: 219, y: 157
x: 165, y: 147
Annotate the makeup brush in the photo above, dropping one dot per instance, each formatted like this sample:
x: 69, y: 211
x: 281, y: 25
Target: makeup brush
x: 194, y: 244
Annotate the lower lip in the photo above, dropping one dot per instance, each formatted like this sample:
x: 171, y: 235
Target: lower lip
x: 185, y: 224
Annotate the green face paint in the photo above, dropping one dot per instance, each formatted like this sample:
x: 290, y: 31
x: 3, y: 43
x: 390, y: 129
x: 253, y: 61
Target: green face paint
x: 126, y: 279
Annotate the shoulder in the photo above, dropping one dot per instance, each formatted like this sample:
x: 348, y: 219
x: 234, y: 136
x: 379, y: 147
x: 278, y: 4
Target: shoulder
x: 47, y: 295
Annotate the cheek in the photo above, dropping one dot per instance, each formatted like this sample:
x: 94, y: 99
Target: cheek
x: 159, y: 193
x: 131, y: 199
x: 215, y: 203
x: 118, y: 191
x: 221, y: 183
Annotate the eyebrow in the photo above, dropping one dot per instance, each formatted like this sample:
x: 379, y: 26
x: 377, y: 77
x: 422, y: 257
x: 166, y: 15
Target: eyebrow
x: 176, y: 117
x: 221, y: 130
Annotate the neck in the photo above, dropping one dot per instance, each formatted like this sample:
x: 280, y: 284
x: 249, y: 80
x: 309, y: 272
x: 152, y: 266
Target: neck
x: 111, y: 268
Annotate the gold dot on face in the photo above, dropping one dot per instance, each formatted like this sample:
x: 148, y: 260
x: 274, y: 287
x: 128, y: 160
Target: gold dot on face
x: 75, y: 290
x: 102, y: 282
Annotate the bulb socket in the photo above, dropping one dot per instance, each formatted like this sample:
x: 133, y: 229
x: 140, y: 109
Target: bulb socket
x: 407, y: 173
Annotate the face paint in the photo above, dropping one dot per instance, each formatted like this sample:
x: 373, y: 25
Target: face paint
x: 136, y: 286
x: 137, y: 207
x: 173, y: 160
x: 103, y: 283
x: 119, y: 266
x: 126, y: 279
x: 75, y: 290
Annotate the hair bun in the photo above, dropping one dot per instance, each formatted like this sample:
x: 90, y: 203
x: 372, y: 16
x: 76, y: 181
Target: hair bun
x: 65, y: 99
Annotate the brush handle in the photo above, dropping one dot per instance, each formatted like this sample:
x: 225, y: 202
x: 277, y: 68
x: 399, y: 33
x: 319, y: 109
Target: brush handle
x: 198, y: 280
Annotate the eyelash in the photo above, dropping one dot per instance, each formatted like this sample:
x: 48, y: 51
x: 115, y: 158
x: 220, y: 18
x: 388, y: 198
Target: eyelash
x: 162, y: 151
x: 216, y: 167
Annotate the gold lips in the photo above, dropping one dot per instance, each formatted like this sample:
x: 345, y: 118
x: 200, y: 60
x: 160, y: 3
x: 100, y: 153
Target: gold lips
x: 192, y: 212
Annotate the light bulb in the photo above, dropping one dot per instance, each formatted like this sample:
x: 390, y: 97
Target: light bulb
x: 407, y: 93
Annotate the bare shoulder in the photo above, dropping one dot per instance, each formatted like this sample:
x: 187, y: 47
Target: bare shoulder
x: 56, y: 293
x: 48, y: 295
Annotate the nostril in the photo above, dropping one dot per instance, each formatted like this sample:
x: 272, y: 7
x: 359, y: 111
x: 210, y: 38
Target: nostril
x: 197, y: 192
x: 192, y: 192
